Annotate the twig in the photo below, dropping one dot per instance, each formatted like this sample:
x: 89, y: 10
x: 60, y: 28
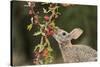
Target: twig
x: 53, y: 10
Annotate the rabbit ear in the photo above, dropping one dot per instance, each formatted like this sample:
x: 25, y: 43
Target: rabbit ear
x: 75, y: 33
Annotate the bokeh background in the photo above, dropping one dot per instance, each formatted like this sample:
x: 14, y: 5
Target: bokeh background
x: 23, y: 41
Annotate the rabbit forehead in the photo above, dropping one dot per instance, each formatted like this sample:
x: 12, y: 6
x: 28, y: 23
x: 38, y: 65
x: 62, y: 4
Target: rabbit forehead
x: 60, y: 31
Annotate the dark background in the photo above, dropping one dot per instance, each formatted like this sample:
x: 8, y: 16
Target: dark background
x: 23, y: 41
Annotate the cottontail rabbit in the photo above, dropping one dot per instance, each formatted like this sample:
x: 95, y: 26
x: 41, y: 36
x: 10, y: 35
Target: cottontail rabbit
x: 73, y: 53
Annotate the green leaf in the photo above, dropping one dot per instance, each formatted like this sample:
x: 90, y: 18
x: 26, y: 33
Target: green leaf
x: 41, y: 61
x: 40, y: 46
x: 37, y: 33
x: 44, y: 10
x: 50, y: 49
x: 50, y: 59
x: 29, y: 27
x: 42, y: 25
x: 48, y: 11
x: 43, y: 34
x: 53, y: 23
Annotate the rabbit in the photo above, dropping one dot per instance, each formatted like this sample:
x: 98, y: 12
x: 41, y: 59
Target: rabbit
x: 73, y: 53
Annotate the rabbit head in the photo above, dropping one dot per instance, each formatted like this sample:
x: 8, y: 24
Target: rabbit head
x: 62, y: 36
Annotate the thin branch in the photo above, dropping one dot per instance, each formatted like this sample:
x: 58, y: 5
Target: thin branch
x: 53, y: 13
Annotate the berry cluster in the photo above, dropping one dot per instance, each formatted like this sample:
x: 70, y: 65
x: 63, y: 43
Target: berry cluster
x: 42, y: 53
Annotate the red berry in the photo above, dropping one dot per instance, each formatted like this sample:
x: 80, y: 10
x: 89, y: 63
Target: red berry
x: 51, y: 32
x: 46, y: 18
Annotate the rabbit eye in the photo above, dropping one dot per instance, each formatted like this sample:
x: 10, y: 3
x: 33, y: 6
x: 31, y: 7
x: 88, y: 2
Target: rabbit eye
x: 63, y: 33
